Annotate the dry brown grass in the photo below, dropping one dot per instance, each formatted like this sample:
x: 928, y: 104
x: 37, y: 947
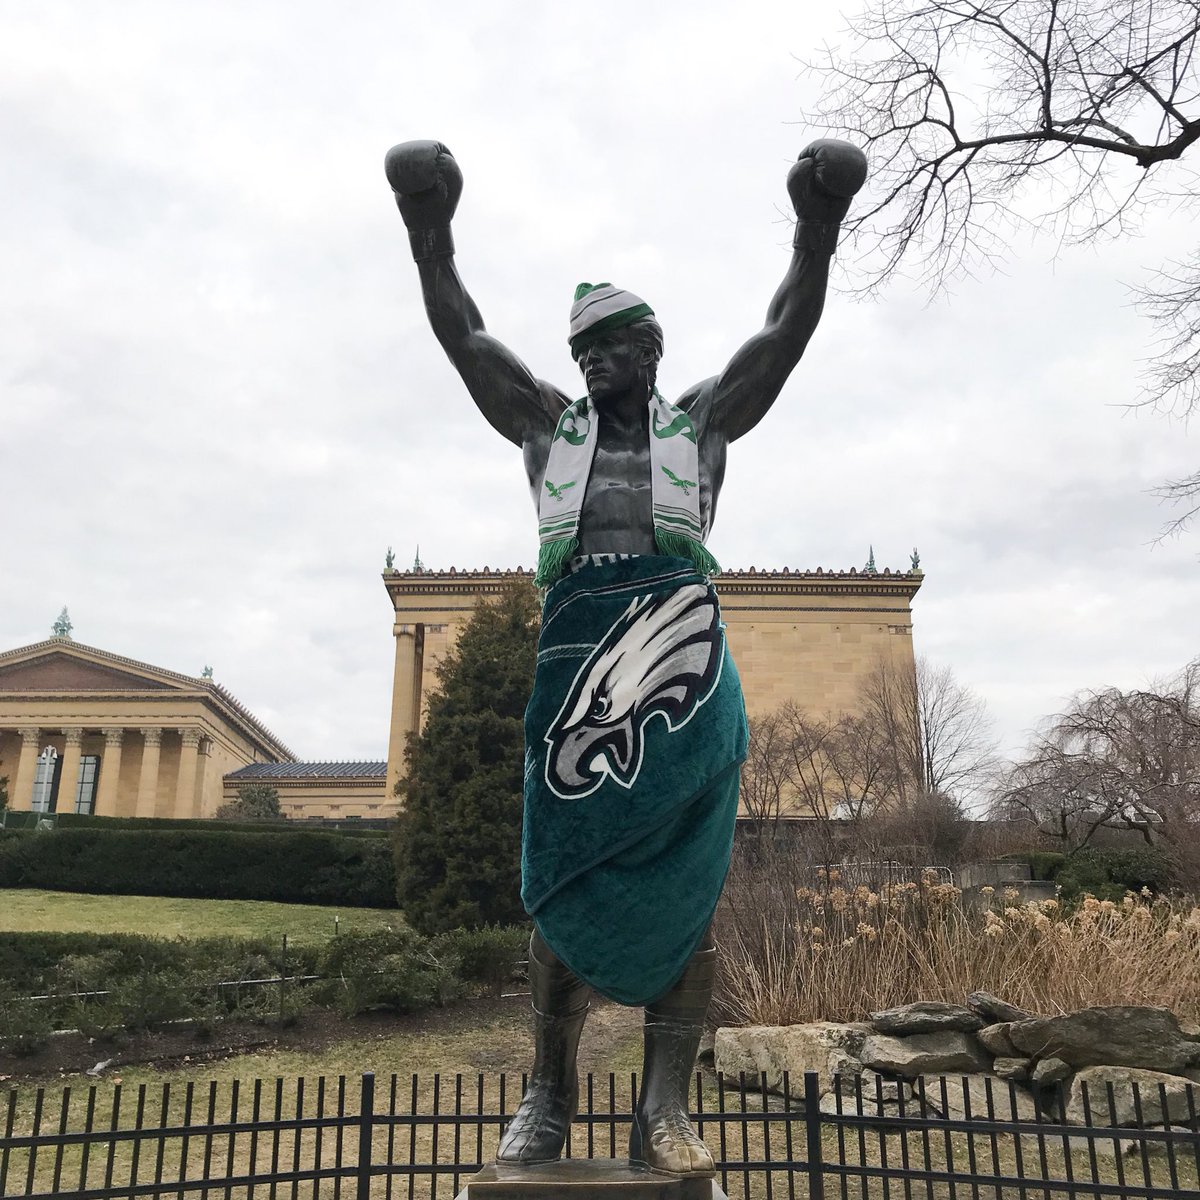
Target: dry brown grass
x: 838, y: 953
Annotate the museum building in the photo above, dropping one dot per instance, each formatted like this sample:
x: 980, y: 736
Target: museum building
x: 85, y: 730
x: 812, y: 637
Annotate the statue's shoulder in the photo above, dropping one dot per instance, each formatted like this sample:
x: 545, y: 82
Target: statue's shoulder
x: 554, y: 401
x: 698, y: 399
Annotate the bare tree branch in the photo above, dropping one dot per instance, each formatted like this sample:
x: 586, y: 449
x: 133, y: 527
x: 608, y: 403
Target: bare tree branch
x: 1119, y: 760
x: 968, y: 109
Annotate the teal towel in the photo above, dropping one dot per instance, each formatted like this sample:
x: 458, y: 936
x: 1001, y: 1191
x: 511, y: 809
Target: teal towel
x: 634, y: 734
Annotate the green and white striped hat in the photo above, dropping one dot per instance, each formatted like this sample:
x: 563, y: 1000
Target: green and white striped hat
x: 600, y: 307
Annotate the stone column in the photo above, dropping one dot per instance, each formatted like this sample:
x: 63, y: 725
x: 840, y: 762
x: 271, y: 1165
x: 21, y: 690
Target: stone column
x: 185, y: 785
x: 68, y: 781
x: 110, y: 774
x: 205, y: 750
x: 406, y: 697
x: 21, y: 792
x: 147, y: 795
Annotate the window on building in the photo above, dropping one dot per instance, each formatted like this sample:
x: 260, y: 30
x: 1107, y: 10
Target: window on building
x: 45, y: 782
x: 89, y: 776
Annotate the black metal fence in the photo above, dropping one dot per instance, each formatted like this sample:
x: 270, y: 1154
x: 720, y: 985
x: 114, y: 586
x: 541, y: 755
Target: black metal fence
x: 410, y: 1137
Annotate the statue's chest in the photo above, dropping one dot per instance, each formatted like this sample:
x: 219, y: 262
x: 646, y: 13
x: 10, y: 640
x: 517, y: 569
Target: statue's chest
x: 619, y: 495
x: 620, y: 466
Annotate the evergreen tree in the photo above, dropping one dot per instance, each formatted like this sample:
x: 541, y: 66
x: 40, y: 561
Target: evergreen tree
x: 255, y: 802
x: 458, y: 836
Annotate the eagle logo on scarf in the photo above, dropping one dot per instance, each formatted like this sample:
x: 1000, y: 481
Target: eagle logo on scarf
x: 662, y: 657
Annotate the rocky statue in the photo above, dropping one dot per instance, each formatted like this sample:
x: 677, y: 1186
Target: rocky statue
x: 636, y: 728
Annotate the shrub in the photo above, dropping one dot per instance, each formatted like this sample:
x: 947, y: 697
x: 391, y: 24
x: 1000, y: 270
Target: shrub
x: 490, y: 955
x: 25, y: 1025
x: 29, y: 961
x: 298, y: 868
x: 394, y: 969
x: 255, y: 802
x: 150, y: 999
x: 149, y: 980
x: 1109, y: 873
x: 1045, y: 864
x: 98, y: 1020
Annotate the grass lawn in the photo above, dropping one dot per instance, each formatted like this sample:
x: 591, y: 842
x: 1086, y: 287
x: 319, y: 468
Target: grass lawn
x: 31, y: 909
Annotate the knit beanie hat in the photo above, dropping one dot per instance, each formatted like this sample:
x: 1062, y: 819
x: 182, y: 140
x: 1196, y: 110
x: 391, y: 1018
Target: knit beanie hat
x: 600, y: 307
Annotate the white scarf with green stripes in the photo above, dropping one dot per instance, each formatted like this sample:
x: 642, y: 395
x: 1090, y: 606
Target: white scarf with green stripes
x: 674, y: 482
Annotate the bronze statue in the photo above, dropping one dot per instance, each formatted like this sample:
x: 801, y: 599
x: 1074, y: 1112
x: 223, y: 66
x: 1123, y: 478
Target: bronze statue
x: 636, y: 729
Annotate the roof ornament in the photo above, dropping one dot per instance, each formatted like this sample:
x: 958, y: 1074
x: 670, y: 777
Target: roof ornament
x: 869, y: 569
x: 914, y: 563
x: 389, y: 561
x: 206, y: 673
x: 62, y: 627
x: 418, y: 565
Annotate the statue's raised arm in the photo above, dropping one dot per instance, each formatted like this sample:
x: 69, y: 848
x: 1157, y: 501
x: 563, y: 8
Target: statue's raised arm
x: 821, y: 184
x: 427, y: 183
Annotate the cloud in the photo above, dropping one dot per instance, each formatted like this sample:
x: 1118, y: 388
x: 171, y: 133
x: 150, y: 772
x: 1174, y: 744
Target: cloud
x: 222, y: 401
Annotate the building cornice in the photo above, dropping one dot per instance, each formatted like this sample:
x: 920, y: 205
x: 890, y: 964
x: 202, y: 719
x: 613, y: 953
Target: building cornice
x: 332, y: 782
x: 776, y: 582
x: 189, y: 687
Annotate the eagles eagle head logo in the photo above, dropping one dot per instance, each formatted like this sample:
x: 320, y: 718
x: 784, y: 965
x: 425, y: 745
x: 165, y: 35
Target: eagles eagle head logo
x: 662, y: 657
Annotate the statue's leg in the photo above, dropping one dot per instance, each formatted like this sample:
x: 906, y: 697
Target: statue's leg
x: 662, y: 1136
x: 560, y: 1003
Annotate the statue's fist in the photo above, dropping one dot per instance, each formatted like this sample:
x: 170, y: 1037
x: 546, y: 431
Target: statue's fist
x: 427, y: 183
x: 825, y: 178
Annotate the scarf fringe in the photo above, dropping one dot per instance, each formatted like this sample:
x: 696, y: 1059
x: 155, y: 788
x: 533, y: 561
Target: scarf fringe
x: 554, y: 556
x: 679, y: 545
x: 552, y: 560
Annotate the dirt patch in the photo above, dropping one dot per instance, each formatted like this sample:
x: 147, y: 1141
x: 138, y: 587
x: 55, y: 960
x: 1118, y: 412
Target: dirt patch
x: 481, y: 1035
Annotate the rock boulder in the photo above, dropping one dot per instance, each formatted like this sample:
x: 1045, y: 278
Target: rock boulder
x: 1049, y: 1071
x: 995, y: 1039
x: 1127, y: 1036
x: 1123, y: 1111
x: 1016, y: 1069
x: 924, y: 1054
x: 993, y: 1009
x: 875, y: 1086
x: 990, y: 1099
x: 926, y: 1016
x: 827, y: 1047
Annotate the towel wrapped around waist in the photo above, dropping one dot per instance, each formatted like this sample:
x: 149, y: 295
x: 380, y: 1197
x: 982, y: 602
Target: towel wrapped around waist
x: 634, y: 735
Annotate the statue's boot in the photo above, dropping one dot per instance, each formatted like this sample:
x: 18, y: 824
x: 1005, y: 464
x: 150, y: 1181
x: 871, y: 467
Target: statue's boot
x: 560, y: 1004
x: 662, y: 1136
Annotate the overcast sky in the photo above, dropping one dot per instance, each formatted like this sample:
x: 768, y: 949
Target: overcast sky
x: 221, y: 401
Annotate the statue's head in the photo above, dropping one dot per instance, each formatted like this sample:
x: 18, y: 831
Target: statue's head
x: 615, y: 339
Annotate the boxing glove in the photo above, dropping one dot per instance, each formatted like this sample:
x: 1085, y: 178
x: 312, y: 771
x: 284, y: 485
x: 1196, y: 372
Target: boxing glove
x: 427, y: 184
x: 821, y: 185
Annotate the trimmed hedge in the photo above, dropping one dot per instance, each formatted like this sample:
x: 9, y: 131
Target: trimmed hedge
x: 28, y: 820
x: 295, y: 868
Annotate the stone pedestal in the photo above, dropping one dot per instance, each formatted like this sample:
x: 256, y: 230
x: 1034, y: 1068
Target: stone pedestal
x: 585, y: 1179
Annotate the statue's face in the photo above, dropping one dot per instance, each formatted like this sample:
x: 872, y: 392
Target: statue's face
x: 612, y: 365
